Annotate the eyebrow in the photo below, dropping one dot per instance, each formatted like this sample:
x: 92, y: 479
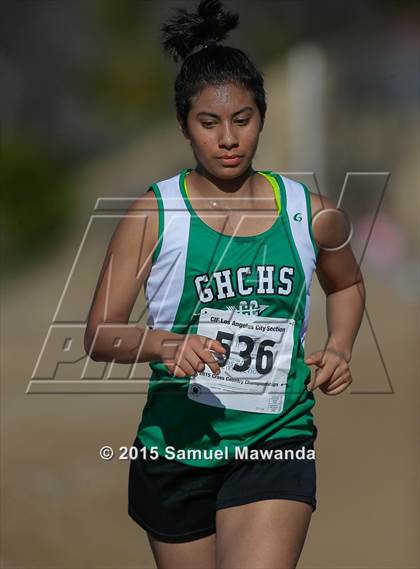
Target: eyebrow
x: 217, y: 116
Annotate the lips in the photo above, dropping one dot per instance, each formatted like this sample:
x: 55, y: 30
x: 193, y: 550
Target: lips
x: 230, y: 159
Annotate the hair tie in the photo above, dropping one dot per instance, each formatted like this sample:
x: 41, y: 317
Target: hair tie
x: 208, y: 43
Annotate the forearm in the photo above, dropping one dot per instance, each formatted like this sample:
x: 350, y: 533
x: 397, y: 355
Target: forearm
x: 126, y: 343
x: 344, y: 315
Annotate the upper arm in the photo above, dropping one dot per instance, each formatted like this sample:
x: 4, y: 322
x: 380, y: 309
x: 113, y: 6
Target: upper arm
x: 127, y: 263
x: 336, y: 266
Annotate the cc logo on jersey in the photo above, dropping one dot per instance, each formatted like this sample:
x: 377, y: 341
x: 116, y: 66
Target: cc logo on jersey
x: 297, y: 217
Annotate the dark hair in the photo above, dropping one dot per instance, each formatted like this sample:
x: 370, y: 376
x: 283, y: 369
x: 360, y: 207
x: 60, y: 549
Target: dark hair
x: 194, y: 37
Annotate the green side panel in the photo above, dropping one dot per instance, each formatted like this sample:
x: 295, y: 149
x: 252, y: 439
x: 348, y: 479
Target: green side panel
x: 309, y: 207
x: 156, y: 191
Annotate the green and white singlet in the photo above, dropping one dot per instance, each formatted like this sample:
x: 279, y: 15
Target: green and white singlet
x: 252, y: 293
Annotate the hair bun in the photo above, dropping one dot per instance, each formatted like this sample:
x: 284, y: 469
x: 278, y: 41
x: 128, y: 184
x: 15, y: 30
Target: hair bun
x: 186, y: 31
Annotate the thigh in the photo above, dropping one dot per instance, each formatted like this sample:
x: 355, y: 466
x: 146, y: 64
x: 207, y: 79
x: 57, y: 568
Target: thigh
x: 265, y: 506
x: 267, y: 534
x: 173, y: 502
x: 197, y: 554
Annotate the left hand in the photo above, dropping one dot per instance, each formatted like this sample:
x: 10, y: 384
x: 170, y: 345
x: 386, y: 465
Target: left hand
x: 332, y: 374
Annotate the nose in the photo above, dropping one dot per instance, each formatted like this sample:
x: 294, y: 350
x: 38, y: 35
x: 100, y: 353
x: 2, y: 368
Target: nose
x: 228, y: 137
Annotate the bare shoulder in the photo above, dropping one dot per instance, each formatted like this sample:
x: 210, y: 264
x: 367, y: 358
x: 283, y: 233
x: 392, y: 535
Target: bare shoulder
x: 144, y: 211
x: 319, y: 201
x: 145, y: 202
x: 330, y: 226
x: 137, y: 233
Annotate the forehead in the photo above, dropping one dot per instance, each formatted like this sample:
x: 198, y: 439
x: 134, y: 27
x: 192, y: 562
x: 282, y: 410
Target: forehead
x: 222, y: 99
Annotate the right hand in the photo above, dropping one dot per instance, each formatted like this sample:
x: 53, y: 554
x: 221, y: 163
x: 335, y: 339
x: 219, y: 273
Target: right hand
x: 187, y: 354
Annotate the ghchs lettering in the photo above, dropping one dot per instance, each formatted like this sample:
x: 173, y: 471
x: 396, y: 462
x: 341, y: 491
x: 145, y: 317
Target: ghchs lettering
x: 220, y: 285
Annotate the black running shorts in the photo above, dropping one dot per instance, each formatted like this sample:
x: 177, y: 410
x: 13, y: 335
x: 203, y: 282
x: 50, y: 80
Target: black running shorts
x: 176, y: 502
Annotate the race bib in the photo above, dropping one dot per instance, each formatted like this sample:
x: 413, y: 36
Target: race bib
x: 254, y: 371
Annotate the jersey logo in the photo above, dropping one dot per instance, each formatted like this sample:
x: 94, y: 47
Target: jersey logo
x: 297, y: 217
x: 252, y: 307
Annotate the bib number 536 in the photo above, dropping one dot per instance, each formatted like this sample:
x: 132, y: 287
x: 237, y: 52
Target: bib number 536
x: 264, y: 359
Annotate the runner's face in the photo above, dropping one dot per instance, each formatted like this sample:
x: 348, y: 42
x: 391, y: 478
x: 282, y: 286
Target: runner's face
x: 224, y: 120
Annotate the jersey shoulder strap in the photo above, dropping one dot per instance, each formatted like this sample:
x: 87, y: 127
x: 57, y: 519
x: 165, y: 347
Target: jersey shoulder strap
x: 299, y: 211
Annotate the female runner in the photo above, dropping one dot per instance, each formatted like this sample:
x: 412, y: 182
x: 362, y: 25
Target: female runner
x: 226, y: 261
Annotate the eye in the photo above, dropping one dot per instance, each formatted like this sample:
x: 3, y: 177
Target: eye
x: 208, y: 124
x: 242, y: 121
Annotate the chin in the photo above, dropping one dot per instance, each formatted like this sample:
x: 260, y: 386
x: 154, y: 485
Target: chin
x: 227, y: 172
